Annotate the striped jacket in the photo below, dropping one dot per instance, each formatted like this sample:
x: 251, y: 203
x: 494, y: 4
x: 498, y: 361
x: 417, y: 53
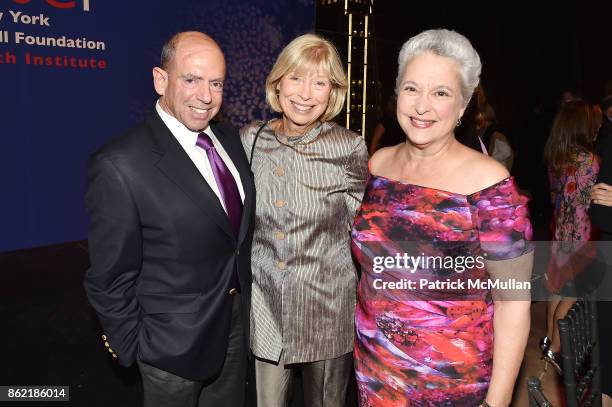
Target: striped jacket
x: 308, y: 189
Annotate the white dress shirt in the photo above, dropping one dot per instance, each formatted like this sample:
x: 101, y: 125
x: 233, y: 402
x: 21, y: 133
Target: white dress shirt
x: 187, y: 139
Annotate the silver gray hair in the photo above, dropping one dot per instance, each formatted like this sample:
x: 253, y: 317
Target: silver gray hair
x: 448, y: 44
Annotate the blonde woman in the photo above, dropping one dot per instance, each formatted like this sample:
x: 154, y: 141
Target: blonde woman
x: 309, y: 175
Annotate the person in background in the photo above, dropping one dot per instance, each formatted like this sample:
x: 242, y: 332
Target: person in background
x: 529, y: 168
x: 572, y: 168
x: 490, y: 135
x: 569, y: 95
x: 309, y: 175
x: 428, y: 346
x: 387, y: 131
x: 605, y: 131
x: 479, y: 130
x: 601, y: 218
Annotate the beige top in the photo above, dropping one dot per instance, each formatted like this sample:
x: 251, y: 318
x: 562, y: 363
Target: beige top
x: 308, y: 189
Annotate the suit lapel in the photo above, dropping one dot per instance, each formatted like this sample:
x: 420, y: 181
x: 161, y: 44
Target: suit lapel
x: 232, y: 145
x: 178, y: 167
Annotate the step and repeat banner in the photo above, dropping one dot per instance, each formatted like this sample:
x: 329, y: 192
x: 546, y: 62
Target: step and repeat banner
x: 74, y: 74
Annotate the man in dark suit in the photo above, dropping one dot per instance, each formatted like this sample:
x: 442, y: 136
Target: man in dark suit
x: 604, y: 134
x: 171, y: 208
x: 601, y: 217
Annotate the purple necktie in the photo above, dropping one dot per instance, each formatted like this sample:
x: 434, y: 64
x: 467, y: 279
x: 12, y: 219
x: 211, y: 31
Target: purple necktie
x: 225, y: 182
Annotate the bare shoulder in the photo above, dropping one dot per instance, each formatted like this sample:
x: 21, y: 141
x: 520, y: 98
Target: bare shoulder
x: 382, y: 159
x: 481, y: 169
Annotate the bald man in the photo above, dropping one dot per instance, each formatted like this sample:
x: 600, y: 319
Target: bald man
x: 171, y: 224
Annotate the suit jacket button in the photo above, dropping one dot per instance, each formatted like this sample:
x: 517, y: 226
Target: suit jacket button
x: 233, y: 291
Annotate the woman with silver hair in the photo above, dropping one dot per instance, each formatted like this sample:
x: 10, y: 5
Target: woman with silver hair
x: 439, y: 225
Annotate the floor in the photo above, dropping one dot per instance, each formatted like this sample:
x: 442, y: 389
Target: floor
x: 50, y: 334
x: 533, y: 365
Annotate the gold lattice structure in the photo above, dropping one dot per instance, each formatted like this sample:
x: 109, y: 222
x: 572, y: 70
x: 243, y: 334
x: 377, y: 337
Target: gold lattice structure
x: 347, y: 24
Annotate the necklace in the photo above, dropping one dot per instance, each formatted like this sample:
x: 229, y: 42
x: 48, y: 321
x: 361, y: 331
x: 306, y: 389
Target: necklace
x: 280, y: 129
x: 305, y: 138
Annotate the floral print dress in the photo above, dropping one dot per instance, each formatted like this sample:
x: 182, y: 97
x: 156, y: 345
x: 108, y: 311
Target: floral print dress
x: 429, y: 347
x: 570, y: 188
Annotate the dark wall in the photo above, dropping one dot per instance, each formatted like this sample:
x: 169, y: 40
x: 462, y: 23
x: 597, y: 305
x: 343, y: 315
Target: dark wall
x: 531, y: 51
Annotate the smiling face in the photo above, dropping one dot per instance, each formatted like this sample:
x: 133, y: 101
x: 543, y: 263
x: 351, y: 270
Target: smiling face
x: 303, y: 98
x: 191, y: 88
x: 429, y: 100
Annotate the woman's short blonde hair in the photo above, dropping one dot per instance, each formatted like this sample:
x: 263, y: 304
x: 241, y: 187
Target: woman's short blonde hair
x: 309, y: 53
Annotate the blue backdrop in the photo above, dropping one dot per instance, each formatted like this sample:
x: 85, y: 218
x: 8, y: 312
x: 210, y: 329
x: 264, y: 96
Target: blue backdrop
x: 52, y: 116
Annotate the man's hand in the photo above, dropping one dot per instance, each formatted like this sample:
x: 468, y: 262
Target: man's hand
x: 601, y: 194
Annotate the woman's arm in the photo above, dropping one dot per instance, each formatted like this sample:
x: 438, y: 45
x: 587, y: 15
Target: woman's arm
x: 356, y: 175
x: 501, y: 150
x: 511, y: 323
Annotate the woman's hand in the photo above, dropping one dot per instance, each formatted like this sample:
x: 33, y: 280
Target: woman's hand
x: 601, y: 194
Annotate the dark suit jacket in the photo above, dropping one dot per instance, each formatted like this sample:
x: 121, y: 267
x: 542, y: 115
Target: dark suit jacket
x: 163, y: 252
x: 601, y: 216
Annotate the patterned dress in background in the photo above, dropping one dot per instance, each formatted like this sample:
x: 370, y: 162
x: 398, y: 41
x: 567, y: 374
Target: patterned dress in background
x: 430, y: 347
x: 570, y: 188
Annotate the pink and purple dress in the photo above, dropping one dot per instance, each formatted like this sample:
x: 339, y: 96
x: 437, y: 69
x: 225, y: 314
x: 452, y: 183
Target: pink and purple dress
x: 429, y: 346
x: 570, y: 189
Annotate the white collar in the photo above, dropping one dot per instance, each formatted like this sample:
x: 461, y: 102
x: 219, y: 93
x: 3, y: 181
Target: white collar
x: 178, y: 129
